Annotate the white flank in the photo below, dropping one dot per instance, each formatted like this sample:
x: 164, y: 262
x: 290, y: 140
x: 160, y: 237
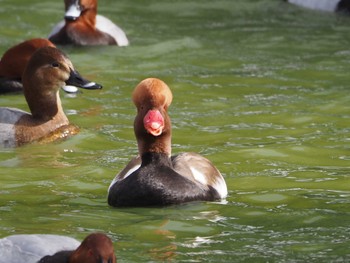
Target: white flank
x: 325, y: 5
x: 105, y: 25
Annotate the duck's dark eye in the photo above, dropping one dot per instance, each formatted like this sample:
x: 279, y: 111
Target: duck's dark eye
x: 55, y: 65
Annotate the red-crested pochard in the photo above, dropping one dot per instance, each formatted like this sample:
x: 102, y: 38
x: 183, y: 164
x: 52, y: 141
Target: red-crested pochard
x: 155, y: 177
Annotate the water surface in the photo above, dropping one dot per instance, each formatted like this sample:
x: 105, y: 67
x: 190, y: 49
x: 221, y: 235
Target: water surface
x: 261, y: 88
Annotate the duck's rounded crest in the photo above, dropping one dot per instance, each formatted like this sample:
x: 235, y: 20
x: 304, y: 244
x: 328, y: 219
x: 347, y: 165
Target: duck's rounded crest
x: 152, y: 92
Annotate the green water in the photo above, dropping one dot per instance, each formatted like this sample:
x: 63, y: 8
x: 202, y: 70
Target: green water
x: 260, y: 87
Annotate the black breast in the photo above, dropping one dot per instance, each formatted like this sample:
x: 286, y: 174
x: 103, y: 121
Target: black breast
x: 155, y: 183
x: 59, y: 257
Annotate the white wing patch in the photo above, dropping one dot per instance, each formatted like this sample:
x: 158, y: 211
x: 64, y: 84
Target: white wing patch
x: 219, y: 185
x: 198, y: 176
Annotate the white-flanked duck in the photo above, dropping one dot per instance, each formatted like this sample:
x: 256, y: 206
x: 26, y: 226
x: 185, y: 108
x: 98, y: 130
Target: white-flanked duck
x: 43, y: 248
x: 82, y: 26
x: 155, y: 178
x: 48, y: 70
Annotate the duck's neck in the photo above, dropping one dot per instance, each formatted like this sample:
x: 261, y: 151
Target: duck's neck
x: 89, y: 17
x: 32, y: 128
x: 48, y: 108
x: 151, y: 144
x: 148, y: 142
x: 158, y: 158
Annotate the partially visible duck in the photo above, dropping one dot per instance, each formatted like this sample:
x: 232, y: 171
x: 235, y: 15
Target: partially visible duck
x: 83, y: 27
x: 14, y: 61
x: 324, y: 5
x: 155, y: 177
x: 48, y: 70
x: 42, y: 248
x: 95, y: 248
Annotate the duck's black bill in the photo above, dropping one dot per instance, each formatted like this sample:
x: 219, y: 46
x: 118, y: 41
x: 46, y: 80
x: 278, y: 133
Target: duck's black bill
x: 75, y: 79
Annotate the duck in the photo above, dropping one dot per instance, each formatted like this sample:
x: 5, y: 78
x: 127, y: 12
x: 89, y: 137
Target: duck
x: 47, y: 248
x: 342, y: 6
x: 14, y: 61
x: 155, y: 177
x: 48, y: 70
x: 82, y: 26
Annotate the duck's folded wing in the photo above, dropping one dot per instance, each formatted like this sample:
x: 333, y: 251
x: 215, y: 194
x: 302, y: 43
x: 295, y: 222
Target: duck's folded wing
x: 8, y: 119
x: 200, y: 170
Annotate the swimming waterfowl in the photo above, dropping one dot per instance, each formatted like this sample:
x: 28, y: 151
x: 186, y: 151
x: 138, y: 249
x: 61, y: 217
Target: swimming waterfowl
x: 155, y: 177
x: 48, y: 70
x: 82, y: 26
x: 44, y: 248
x: 95, y: 248
x: 14, y: 61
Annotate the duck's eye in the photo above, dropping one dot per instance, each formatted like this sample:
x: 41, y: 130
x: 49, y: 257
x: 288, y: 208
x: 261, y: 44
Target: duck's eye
x: 55, y: 65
